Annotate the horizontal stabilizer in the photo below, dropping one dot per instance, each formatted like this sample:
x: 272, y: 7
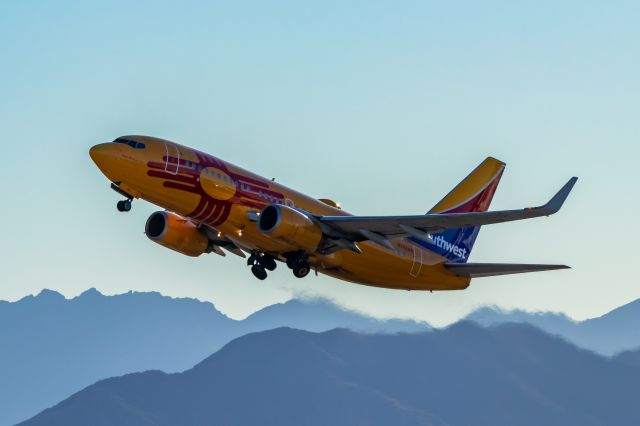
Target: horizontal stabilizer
x: 476, y: 270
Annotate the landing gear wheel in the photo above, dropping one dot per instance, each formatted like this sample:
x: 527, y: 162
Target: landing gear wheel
x: 259, y: 272
x: 291, y: 262
x: 301, y: 270
x: 295, y: 258
x: 264, y: 261
x: 268, y: 262
x: 124, y: 205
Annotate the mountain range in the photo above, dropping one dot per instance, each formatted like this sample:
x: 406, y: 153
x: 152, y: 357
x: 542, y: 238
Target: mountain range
x: 608, y: 334
x: 53, y: 346
x: 465, y: 374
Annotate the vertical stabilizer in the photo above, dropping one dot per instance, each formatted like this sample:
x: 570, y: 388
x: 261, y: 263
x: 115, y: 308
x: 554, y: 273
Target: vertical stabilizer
x: 473, y: 194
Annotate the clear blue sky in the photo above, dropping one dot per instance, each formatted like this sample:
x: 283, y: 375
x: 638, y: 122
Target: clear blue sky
x: 383, y: 106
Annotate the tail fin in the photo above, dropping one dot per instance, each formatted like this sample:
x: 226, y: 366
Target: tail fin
x: 473, y: 194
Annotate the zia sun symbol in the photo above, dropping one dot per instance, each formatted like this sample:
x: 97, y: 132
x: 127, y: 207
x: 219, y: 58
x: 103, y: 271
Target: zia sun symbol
x: 214, y: 207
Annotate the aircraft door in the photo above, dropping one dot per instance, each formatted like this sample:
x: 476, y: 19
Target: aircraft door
x: 171, y: 159
x: 416, y: 266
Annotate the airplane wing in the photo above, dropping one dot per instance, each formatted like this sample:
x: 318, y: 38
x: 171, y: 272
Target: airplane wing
x: 380, y: 228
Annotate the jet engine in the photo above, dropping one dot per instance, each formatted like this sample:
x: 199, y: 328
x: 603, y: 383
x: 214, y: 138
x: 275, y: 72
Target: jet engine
x: 291, y: 226
x: 176, y: 233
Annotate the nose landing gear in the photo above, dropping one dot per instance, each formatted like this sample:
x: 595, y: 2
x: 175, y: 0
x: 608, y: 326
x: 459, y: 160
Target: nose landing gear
x: 124, y: 205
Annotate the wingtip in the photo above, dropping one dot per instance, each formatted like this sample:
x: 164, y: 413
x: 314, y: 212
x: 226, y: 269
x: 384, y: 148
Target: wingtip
x: 557, y: 267
x: 558, y: 200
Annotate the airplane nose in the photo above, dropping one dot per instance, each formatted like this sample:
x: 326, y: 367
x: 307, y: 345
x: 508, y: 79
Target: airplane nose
x: 101, y: 153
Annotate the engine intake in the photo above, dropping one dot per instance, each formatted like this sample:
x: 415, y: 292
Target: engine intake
x: 176, y: 233
x: 291, y: 226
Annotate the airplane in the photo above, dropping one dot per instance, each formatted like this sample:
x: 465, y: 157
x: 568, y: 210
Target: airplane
x: 213, y: 206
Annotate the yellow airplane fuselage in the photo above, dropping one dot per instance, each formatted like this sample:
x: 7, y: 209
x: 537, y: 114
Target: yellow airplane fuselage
x: 217, y: 194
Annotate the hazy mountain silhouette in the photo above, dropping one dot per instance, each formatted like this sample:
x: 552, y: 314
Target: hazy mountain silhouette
x: 322, y: 315
x: 51, y: 347
x: 629, y: 357
x: 608, y: 334
x: 555, y: 323
x: 466, y: 374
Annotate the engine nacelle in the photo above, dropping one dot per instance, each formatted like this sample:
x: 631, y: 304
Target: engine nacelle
x: 291, y: 226
x: 176, y: 233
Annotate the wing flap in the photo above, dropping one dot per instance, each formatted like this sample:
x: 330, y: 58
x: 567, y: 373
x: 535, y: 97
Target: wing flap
x: 477, y: 270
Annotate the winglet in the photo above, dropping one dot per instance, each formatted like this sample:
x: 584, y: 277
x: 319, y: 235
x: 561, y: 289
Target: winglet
x: 558, y: 200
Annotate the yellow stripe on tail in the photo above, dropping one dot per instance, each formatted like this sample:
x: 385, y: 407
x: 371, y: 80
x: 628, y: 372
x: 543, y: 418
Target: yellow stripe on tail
x: 471, y: 187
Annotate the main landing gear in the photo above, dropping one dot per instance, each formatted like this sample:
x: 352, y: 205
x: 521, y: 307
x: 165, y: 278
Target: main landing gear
x: 260, y: 264
x: 299, y: 264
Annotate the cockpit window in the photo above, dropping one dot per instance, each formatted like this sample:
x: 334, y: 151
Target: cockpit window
x: 132, y: 144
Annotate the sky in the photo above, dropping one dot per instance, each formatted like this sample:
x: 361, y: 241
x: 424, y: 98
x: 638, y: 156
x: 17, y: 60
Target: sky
x: 382, y: 106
